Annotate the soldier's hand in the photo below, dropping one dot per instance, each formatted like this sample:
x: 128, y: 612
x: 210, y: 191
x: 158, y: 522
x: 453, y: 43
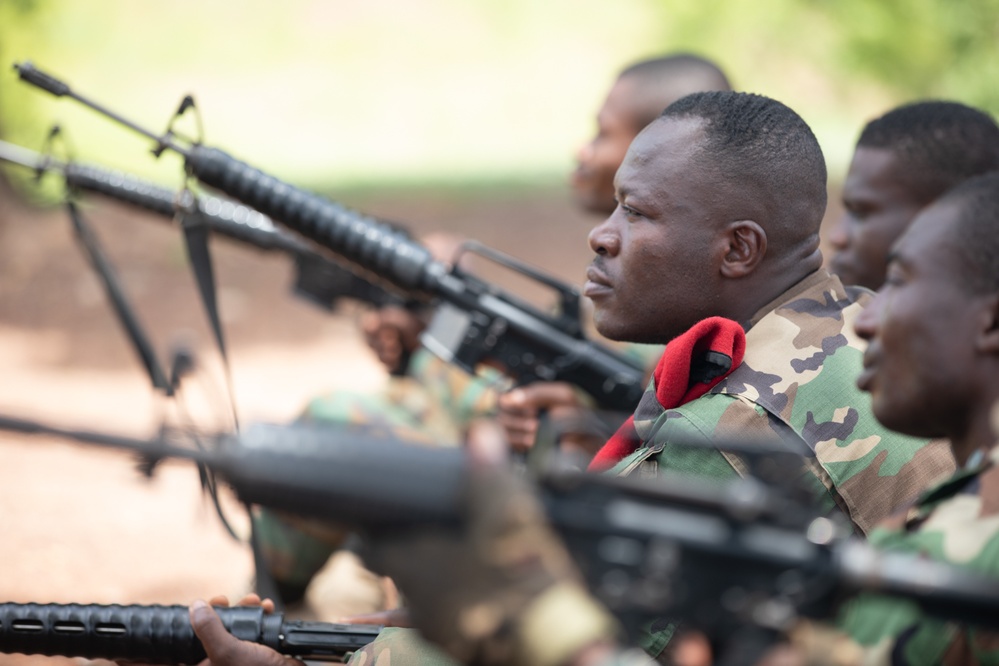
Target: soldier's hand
x: 393, y: 333
x: 501, y: 588
x: 223, y: 648
x: 520, y: 409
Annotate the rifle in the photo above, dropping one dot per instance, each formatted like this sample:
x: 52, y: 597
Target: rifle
x: 318, y: 279
x: 163, y: 634
x: 718, y: 557
x: 476, y: 322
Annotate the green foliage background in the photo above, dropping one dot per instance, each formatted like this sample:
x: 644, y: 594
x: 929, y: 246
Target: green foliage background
x: 417, y: 91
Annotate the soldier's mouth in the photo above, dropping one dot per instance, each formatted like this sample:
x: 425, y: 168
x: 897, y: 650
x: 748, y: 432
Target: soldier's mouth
x: 597, y: 284
x: 866, y: 377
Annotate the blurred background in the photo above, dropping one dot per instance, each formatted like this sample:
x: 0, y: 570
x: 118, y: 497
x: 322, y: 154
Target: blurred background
x: 450, y: 115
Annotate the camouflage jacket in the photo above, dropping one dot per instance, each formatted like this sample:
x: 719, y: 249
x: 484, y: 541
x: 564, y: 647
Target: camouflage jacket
x: 798, y: 381
x: 434, y: 403
x: 434, y: 399
x: 956, y: 522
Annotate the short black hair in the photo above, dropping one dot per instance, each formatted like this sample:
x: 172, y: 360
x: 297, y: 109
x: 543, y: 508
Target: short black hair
x: 938, y: 144
x: 976, y: 233
x: 766, y: 150
x: 665, y: 79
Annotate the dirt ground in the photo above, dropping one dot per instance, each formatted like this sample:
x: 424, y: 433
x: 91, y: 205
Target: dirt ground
x: 80, y: 524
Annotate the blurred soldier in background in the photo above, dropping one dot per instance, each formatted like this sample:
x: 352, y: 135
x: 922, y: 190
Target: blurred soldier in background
x: 903, y: 161
x: 424, y: 399
x: 638, y: 96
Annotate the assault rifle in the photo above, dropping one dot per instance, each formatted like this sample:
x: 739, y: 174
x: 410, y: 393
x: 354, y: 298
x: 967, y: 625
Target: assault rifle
x: 725, y: 558
x: 163, y: 634
x: 476, y: 321
x: 318, y: 279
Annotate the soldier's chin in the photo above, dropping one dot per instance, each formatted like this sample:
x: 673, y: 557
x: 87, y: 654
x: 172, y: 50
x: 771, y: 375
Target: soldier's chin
x: 608, y: 327
x: 896, y: 418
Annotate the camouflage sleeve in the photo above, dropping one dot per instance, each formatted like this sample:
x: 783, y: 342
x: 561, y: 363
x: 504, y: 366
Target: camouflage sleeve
x: 891, y: 631
x: 957, y: 525
x: 400, y: 647
x: 461, y: 396
x: 295, y: 550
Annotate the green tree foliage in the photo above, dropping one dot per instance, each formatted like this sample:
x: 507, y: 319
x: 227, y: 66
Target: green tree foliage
x: 432, y: 89
x: 921, y: 48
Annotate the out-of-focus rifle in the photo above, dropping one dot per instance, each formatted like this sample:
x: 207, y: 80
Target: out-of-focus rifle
x: 726, y: 558
x: 319, y: 279
x: 475, y: 321
x: 163, y: 634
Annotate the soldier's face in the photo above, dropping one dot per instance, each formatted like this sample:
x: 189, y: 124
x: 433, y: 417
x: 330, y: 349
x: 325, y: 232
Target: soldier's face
x: 656, y: 270
x: 878, y: 206
x: 919, y: 366
x: 598, y: 160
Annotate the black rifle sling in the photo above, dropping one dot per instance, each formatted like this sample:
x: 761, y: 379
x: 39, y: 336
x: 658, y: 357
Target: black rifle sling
x: 196, y: 232
x: 119, y: 301
x: 196, y: 243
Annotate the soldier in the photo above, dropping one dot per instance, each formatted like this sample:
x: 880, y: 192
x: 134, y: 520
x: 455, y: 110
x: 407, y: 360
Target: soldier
x: 720, y: 202
x: 932, y: 369
x: 637, y: 97
x: 903, y: 161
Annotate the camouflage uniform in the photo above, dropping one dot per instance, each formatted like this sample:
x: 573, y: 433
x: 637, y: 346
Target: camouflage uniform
x: 798, y: 379
x: 434, y: 403
x: 957, y: 522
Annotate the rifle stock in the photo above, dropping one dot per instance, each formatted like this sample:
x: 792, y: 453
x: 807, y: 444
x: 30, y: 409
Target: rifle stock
x: 163, y: 634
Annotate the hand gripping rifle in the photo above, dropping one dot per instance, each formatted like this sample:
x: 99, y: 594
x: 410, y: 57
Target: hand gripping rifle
x: 318, y: 279
x: 480, y: 322
x: 722, y: 558
x: 163, y: 634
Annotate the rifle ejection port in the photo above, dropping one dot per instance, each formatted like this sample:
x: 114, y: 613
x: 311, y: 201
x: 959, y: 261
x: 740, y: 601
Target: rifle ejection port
x: 446, y: 332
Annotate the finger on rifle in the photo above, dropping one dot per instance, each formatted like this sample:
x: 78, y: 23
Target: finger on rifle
x: 219, y: 644
x: 521, y: 431
x: 544, y: 395
x: 219, y: 600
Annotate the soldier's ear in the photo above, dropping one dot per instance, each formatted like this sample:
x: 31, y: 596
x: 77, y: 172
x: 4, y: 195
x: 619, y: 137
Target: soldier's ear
x: 988, y: 336
x: 746, y: 245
